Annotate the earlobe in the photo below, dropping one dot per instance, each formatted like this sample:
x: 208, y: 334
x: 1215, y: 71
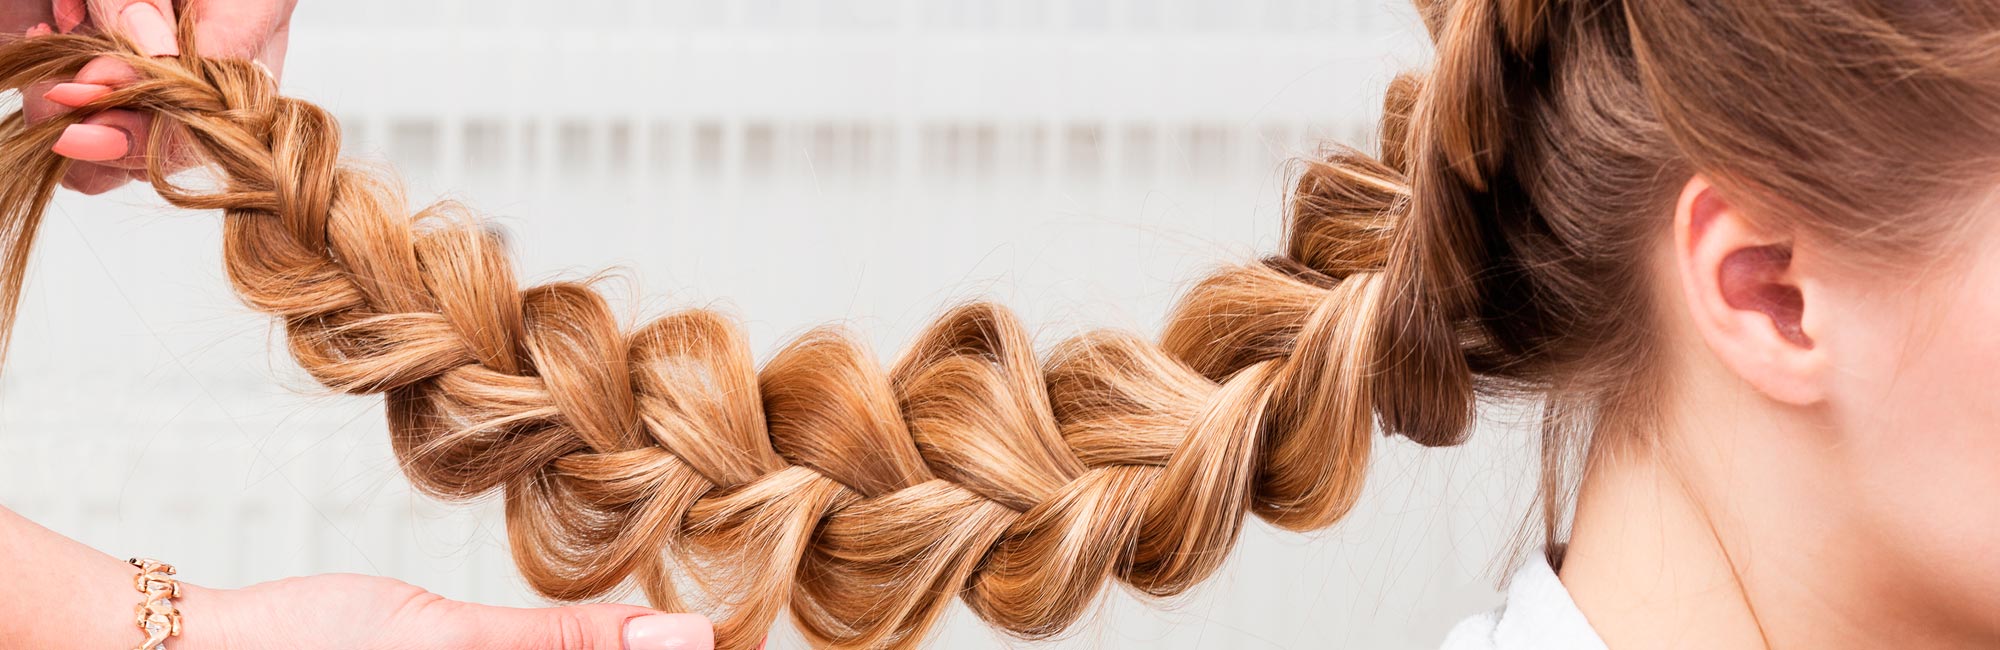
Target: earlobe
x: 1745, y: 296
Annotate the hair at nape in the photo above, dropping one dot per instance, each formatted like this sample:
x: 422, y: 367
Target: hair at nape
x: 1488, y: 249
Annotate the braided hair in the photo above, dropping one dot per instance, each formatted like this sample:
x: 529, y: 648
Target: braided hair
x: 1492, y: 247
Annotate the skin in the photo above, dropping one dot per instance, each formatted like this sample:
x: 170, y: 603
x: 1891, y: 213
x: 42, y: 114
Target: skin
x: 254, y: 29
x: 1813, y: 478
x: 70, y: 596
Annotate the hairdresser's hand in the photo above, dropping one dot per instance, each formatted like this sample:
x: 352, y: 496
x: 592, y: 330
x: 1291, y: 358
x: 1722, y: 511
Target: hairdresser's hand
x: 110, y: 146
x: 351, y: 612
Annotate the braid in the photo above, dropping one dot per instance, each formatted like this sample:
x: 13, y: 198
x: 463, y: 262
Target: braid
x: 861, y: 499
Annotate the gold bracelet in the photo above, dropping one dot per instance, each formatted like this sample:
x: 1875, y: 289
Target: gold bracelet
x: 156, y: 615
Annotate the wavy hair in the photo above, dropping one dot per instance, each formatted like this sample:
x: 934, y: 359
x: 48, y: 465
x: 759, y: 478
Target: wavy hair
x: 1492, y: 247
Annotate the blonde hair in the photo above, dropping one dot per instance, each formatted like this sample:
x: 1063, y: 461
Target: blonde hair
x: 1489, y: 248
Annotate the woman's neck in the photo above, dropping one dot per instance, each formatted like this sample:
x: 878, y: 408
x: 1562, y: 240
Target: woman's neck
x: 1646, y: 567
x: 1730, y: 533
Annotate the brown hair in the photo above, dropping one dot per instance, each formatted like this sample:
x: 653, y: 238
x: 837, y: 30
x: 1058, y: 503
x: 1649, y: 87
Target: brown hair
x: 1493, y: 248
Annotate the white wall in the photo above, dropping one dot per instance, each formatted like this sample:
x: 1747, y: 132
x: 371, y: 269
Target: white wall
x: 799, y: 161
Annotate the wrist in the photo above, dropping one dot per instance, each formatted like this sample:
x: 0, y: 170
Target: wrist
x: 207, y: 619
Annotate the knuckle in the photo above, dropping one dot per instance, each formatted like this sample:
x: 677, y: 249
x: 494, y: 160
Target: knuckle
x: 571, y: 630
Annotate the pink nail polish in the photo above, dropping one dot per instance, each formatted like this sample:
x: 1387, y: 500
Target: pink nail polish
x: 669, y: 632
x: 75, y: 94
x: 92, y: 143
x: 148, y: 28
x: 40, y: 29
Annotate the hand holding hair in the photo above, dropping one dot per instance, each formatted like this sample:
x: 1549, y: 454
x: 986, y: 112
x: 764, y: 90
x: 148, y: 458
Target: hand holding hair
x: 110, y: 145
x: 64, y: 590
x: 354, y: 612
x: 62, y: 594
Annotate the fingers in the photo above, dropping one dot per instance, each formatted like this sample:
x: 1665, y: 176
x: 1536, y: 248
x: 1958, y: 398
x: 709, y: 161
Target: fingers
x: 243, y: 28
x: 35, y: 105
x: 83, y: 176
x: 273, y: 54
x: 116, y: 138
x: 69, y: 14
x: 92, y: 178
x: 75, y: 94
x: 580, y: 627
x: 109, y: 145
x: 107, y: 72
x: 149, y: 23
x: 93, y: 143
x: 134, y: 130
x: 669, y: 632
x: 97, y: 78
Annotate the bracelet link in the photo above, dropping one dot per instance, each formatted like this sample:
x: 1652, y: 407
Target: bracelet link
x: 156, y: 615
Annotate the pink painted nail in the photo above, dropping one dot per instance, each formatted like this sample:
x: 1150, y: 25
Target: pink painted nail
x: 40, y: 29
x: 69, y: 14
x: 75, y: 94
x: 147, y: 27
x: 92, y: 143
x: 669, y: 632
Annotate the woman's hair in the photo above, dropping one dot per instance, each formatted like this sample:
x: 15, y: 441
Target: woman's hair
x: 1495, y: 246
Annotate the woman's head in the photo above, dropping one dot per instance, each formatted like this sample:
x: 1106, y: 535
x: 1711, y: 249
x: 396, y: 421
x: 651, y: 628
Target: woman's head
x: 1547, y: 148
x: 1613, y: 206
x: 1639, y: 210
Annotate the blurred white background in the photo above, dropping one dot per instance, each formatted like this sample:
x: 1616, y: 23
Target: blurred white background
x: 797, y: 162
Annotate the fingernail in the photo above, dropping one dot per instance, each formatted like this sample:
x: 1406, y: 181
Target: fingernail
x: 92, y: 142
x: 669, y: 632
x: 40, y: 29
x: 75, y: 94
x: 145, y: 25
x: 69, y: 14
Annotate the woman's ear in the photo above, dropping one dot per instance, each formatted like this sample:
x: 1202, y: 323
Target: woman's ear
x: 1746, y: 296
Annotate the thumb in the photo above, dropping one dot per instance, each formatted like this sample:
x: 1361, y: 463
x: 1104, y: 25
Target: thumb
x: 149, y: 23
x: 585, y: 627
